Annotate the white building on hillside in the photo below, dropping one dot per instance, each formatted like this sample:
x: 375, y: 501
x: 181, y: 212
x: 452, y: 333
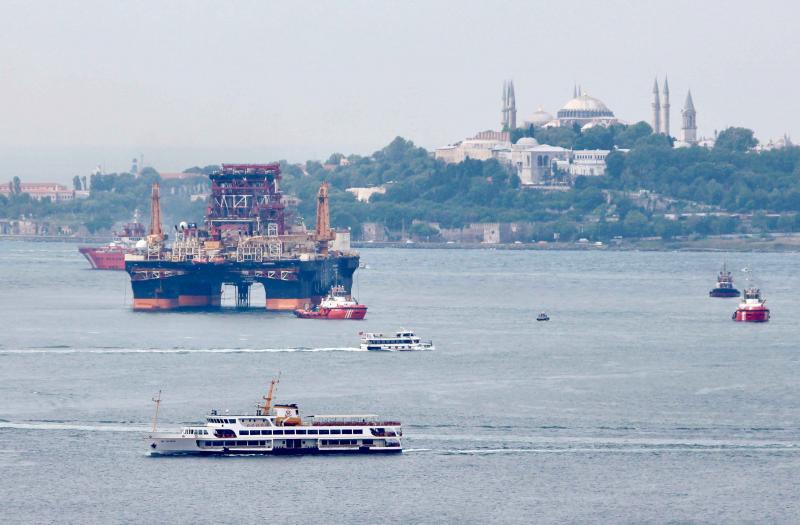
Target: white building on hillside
x: 480, y: 147
x: 535, y: 163
x: 588, y: 162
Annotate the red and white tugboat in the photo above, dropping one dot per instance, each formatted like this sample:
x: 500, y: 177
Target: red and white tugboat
x: 752, y: 309
x: 337, y: 305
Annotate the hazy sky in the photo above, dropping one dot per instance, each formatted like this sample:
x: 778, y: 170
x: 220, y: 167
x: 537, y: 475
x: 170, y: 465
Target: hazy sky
x: 186, y: 83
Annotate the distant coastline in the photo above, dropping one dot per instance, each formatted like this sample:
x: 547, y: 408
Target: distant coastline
x: 789, y: 242
x: 778, y: 242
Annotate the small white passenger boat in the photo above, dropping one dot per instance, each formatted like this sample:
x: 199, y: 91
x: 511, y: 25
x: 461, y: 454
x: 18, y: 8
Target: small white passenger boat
x: 401, y: 341
x: 278, y: 429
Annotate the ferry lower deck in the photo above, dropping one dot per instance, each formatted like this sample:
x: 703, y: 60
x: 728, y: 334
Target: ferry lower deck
x: 241, y: 435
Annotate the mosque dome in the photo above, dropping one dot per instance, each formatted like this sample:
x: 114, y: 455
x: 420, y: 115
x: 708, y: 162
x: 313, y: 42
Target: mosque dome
x: 539, y: 117
x: 527, y: 142
x: 585, y: 107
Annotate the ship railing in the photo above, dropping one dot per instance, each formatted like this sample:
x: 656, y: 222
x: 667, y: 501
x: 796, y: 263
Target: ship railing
x: 355, y: 423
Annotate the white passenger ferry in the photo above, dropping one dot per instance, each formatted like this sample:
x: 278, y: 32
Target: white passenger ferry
x: 278, y: 429
x: 400, y: 341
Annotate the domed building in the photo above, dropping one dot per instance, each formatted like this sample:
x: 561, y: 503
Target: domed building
x: 539, y: 118
x: 585, y: 110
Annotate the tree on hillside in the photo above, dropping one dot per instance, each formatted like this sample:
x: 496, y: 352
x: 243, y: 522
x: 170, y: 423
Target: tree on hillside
x: 736, y: 139
x: 627, y: 136
x: 16, y: 186
x: 76, y: 183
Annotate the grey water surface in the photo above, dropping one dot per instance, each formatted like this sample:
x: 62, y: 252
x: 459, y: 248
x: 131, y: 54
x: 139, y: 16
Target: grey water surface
x: 640, y: 401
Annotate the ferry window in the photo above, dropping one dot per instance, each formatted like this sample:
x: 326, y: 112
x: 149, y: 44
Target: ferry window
x: 244, y: 432
x: 336, y: 431
x: 325, y: 431
x: 313, y: 431
x: 367, y: 442
x: 277, y: 432
x: 288, y: 431
x: 230, y: 443
x: 301, y: 431
x: 219, y: 443
x: 347, y: 431
x: 262, y: 443
x: 252, y: 443
x: 266, y: 432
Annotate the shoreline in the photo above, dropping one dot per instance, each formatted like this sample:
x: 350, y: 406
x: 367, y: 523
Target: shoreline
x: 774, y: 243
x: 785, y: 243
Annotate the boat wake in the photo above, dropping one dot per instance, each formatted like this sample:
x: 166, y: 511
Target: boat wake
x: 56, y: 350
x: 63, y: 425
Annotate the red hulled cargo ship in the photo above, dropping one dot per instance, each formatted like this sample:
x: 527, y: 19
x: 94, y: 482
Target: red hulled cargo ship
x: 112, y: 255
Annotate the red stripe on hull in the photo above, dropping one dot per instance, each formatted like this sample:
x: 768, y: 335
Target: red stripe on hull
x: 154, y: 304
x: 287, y: 304
x: 198, y: 301
x: 759, y: 315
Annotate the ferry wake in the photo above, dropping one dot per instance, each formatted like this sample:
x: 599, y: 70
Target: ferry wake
x: 278, y: 429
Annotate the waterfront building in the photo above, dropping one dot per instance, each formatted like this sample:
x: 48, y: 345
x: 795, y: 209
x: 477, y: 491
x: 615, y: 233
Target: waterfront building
x: 41, y: 190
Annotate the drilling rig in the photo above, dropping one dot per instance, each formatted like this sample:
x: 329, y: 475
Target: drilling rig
x: 245, y: 242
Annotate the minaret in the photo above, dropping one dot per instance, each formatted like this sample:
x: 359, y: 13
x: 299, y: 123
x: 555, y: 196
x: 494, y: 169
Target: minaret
x: 689, y: 128
x: 512, y: 107
x: 656, y: 108
x: 666, y: 107
x: 504, y: 110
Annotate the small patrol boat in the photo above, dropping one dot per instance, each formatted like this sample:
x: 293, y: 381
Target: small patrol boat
x: 543, y: 317
x: 277, y: 429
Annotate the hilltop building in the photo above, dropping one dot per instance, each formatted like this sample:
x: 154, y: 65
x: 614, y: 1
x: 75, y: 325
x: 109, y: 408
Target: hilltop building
x: 584, y: 110
x: 534, y: 162
x: 483, y: 146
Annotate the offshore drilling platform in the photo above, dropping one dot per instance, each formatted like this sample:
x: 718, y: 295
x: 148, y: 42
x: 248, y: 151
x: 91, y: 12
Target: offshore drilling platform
x: 245, y: 241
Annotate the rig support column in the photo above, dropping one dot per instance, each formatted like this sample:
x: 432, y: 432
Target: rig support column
x: 242, y: 295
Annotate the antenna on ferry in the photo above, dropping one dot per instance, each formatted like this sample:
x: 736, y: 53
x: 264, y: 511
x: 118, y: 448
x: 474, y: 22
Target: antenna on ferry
x: 157, y: 401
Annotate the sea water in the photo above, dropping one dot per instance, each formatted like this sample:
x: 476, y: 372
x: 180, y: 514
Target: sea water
x: 640, y: 401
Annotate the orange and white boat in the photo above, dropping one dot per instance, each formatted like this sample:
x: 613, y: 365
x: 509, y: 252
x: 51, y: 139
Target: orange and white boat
x: 337, y: 305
